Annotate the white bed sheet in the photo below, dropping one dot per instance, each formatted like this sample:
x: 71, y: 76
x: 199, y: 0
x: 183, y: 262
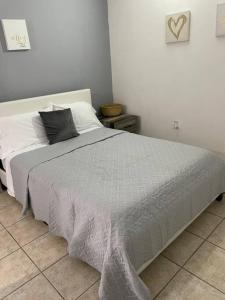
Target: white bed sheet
x: 6, y: 161
x: 6, y: 164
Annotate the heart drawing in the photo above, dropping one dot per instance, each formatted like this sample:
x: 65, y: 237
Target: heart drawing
x: 176, y: 26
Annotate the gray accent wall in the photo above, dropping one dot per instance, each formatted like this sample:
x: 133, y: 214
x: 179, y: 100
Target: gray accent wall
x: 70, y: 49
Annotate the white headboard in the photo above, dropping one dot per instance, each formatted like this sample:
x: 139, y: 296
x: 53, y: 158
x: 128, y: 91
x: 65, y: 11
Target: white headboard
x: 34, y: 104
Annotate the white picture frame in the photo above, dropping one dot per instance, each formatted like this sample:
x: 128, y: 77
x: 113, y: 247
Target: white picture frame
x: 16, y: 34
x: 220, y: 20
x: 178, y: 27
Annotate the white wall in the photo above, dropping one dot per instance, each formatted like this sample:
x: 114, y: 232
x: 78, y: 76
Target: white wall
x: 161, y: 82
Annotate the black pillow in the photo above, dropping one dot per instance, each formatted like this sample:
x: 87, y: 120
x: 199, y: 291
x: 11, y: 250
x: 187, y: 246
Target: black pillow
x: 59, y: 125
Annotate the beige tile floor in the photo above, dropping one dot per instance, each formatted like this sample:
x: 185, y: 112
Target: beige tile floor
x: 35, y: 265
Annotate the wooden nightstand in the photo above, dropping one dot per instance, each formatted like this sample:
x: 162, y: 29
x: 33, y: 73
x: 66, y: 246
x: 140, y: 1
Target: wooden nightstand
x: 124, y: 122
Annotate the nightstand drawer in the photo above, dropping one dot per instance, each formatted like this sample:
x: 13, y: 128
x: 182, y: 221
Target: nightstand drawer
x: 129, y: 124
x: 126, y: 122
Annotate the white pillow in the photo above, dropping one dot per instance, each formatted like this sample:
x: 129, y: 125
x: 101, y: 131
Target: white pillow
x: 84, y: 116
x: 20, y: 131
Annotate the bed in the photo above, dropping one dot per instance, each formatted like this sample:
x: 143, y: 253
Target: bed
x: 119, y: 199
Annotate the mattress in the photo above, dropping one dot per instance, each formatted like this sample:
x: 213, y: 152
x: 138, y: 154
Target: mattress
x: 6, y: 165
x: 117, y: 198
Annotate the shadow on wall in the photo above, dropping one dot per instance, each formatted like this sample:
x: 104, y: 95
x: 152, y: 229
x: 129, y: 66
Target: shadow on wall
x: 2, y: 39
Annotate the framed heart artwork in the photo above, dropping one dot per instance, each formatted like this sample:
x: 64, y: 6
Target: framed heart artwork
x: 178, y: 27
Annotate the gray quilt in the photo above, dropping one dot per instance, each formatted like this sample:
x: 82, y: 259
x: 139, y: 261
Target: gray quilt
x: 118, y: 198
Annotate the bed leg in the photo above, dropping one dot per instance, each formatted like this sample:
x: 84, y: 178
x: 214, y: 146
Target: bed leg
x: 219, y: 198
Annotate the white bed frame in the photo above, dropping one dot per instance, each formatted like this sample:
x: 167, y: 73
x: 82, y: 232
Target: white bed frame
x: 22, y: 106
x: 35, y: 104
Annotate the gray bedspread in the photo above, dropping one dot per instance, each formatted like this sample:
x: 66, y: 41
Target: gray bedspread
x: 118, y: 198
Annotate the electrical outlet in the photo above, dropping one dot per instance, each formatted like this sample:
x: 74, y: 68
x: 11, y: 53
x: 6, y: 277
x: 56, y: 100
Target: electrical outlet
x: 176, y: 125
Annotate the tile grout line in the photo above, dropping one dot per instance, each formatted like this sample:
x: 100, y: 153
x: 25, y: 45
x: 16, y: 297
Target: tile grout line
x: 52, y: 285
x: 203, y: 280
x: 20, y: 287
x: 183, y: 266
x: 9, y: 254
x: 215, y: 245
x: 205, y: 238
x: 35, y: 239
x: 87, y: 290
x: 15, y: 222
x: 211, y: 213
x: 215, y: 228
x: 56, y: 288
x: 28, y: 258
x: 204, y: 241
x: 178, y: 271
x: 40, y: 272
x: 211, y: 232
